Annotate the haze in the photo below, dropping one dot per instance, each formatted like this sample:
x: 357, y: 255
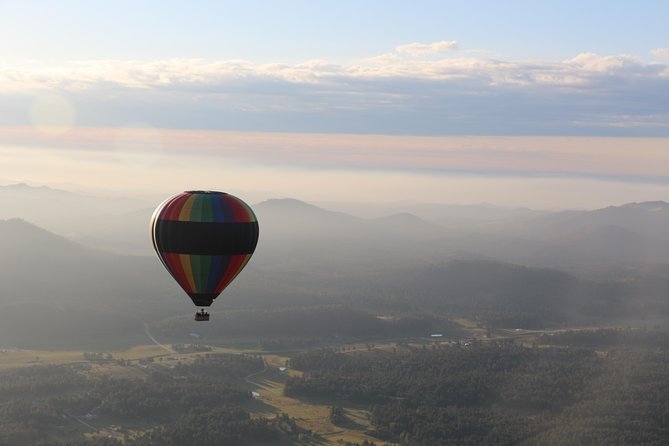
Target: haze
x: 464, y: 227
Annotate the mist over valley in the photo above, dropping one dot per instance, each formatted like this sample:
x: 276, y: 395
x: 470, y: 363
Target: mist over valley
x: 506, y: 267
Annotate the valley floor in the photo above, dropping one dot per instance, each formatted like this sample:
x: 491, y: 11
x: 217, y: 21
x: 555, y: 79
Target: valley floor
x: 268, y: 383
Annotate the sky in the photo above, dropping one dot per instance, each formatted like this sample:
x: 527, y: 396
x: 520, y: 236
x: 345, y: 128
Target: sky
x: 519, y: 103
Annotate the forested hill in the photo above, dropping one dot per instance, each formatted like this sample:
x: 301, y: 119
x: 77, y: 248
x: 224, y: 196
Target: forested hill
x: 513, y: 295
x: 70, y: 293
x: 498, y: 394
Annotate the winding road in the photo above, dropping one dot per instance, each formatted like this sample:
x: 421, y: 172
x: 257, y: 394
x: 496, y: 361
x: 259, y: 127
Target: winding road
x: 257, y: 384
x: 155, y: 341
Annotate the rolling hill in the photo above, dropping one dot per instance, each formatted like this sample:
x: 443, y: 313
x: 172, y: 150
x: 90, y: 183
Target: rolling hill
x: 54, y: 291
x: 399, y: 263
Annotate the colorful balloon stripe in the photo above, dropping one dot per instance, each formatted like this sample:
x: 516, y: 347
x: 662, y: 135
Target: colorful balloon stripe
x: 199, y: 274
x: 206, y: 207
x: 175, y: 266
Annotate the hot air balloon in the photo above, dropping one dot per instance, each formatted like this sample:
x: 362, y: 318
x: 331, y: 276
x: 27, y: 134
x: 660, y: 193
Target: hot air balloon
x: 204, y: 239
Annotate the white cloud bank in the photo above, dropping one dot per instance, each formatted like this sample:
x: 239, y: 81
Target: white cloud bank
x: 586, y: 69
x: 587, y: 94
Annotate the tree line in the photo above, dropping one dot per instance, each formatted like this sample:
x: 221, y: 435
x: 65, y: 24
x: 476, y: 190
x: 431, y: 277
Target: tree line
x: 196, y: 403
x: 498, y: 393
x: 298, y: 323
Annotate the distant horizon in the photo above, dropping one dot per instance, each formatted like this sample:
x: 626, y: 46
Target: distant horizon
x: 372, y: 207
x: 516, y: 104
x: 538, y: 172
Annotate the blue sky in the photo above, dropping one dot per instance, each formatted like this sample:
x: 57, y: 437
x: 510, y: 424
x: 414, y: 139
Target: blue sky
x: 292, y: 31
x: 503, y: 68
x: 540, y: 88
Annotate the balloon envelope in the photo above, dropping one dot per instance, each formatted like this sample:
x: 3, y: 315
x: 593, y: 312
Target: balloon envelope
x: 204, y: 239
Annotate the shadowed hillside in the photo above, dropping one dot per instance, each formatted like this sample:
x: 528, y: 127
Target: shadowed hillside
x: 56, y: 291
x: 312, y: 257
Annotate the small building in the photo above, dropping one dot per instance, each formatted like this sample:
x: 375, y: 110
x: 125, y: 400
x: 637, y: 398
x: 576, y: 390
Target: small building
x: 255, y: 394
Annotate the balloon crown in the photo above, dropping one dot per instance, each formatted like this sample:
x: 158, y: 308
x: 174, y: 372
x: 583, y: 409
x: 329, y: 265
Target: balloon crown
x: 211, y: 192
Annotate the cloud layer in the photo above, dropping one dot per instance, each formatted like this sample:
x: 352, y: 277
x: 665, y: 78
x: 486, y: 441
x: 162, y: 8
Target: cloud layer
x: 417, y: 89
x: 622, y: 159
x: 518, y: 171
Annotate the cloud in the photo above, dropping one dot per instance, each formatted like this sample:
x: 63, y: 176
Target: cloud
x: 661, y: 52
x: 443, y: 46
x: 589, y: 94
x: 174, y: 74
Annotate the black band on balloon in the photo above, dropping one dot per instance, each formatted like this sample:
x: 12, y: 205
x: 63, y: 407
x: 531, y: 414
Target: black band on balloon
x: 205, y: 238
x: 203, y: 300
